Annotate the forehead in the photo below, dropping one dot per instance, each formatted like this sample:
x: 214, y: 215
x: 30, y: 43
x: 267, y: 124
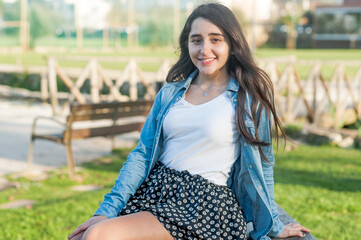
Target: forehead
x: 204, y: 26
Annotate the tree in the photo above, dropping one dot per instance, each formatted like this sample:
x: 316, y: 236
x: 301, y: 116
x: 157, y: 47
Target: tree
x: 42, y: 21
x: 11, y: 12
x: 154, y: 30
x: 1, y: 9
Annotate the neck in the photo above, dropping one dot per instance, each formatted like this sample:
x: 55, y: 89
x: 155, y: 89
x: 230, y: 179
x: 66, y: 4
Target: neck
x: 212, y: 80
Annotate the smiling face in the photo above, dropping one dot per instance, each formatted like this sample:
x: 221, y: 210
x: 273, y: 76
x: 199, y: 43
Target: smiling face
x: 208, y: 49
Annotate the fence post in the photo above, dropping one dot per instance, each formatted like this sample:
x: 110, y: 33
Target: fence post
x: 44, y: 87
x: 53, y: 89
x: 358, y: 83
x: 353, y: 98
x: 338, y: 105
x: 133, y: 92
x: 289, y: 97
x: 302, y: 94
x: 94, y: 82
x: 317, y: 72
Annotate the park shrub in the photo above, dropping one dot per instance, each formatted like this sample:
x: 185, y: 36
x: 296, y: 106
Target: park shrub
x: 21, y: 80
x: 293, y: 130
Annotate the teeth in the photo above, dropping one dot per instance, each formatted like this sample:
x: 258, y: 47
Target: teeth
x: 207, y: 60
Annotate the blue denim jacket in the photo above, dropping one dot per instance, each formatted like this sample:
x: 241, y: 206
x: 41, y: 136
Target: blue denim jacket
x: 250, y: 179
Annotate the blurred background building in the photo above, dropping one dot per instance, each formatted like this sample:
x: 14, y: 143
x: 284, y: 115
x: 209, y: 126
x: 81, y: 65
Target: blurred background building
x: 115, y: 24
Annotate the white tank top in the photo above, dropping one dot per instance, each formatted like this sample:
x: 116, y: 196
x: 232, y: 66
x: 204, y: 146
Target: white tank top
x: 202, y: 139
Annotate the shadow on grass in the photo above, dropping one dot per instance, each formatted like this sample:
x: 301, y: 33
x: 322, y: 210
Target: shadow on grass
x: 305, y: 166
x: 112, y: 163
x: 317, y: 179
x: 324, y: 166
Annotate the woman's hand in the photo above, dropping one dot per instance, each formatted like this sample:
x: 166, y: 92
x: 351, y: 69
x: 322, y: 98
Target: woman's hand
x: 83, y: 227
x: 293, y: 229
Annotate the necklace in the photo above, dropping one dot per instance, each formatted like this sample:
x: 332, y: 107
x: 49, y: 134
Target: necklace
x: 206, y: 92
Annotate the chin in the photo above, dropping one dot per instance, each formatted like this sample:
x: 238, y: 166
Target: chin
x: 206, y: 72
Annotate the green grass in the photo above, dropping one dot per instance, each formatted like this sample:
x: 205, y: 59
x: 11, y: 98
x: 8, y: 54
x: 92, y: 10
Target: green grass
x: 318, y: 186
x: 9, y: 41
x: 311, y: 54
x: 321, y: 188
x: 58, y: 209
x: 315, y: 54
x: 37, y: 59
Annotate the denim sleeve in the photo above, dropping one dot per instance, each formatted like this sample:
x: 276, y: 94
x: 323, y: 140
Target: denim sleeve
x: 134, y: 169
x: 267, y: 167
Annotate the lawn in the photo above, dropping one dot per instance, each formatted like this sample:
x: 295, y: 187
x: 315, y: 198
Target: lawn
x: 319, y: 186
x: 40, y: 59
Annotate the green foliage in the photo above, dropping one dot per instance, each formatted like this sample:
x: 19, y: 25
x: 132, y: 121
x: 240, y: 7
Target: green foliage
x: 287, y: 20
x: 155, y: 31
x: 27, y: 81
x: 11, y: 13
x: 357, y: 126
x: 18, y: 80
x: 42, y: 21
x: 293, y: 130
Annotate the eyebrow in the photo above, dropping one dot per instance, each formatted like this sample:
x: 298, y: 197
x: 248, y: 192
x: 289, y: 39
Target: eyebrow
x: 210, y: 34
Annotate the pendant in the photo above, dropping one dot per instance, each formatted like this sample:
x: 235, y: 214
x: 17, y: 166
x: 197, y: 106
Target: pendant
x: 205, y: 94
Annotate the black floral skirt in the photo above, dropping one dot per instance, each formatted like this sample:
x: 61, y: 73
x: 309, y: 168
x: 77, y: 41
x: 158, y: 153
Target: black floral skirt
x: 189, y: 206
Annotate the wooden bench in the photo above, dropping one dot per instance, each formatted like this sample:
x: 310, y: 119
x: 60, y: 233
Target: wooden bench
x: 93, y: 120
x: 286, y: 218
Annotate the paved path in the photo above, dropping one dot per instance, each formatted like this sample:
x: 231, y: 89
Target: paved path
x: 16, y: 118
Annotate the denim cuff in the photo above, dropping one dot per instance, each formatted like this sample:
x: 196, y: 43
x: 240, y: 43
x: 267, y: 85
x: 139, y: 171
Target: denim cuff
x: 277, y: 227
x: 108, y: 211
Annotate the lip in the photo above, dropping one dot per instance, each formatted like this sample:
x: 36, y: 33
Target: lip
x: 206, y: 60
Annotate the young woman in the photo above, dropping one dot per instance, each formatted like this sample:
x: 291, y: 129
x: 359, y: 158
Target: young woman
x: 204, y: 164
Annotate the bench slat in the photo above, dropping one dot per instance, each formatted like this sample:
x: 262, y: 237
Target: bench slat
x: 93, y: 106
x: 108, y: 115
x: 51, y: 137
x: 105, y: 131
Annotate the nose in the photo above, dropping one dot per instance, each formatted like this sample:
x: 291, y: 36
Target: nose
x: 205, y: 47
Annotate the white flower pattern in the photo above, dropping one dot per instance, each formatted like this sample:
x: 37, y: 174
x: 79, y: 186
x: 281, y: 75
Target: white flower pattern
x: 189, y: 206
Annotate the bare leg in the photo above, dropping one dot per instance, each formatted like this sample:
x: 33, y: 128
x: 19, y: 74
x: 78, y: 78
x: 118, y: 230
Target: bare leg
x: 140, y: 226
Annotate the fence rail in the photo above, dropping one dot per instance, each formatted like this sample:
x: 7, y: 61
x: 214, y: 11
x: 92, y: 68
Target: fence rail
x: 331, y: 102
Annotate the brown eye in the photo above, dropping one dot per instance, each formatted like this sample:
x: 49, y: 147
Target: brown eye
x: 195, y: 41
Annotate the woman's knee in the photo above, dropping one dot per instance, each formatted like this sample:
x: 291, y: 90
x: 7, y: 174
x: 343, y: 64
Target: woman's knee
x: 94, y: 233
x: 107, y: 230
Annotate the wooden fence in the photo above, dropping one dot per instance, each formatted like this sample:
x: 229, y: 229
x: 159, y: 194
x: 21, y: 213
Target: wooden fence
x: 328, y: 101
x: 99, y: 78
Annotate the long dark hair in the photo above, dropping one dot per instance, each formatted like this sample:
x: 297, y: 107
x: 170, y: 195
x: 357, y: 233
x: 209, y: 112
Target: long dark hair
x: 241, y: 65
